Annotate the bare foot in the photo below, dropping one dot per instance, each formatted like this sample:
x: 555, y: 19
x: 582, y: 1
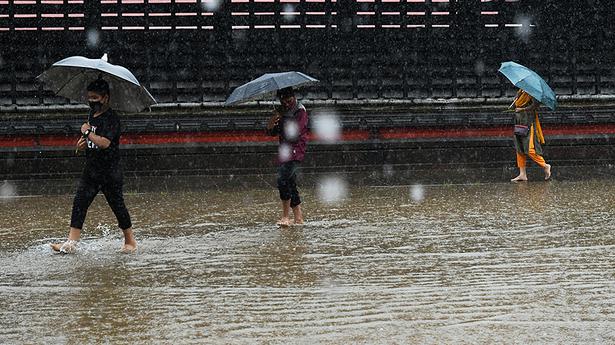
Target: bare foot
x: 68, y: 247
x: 56, y: 246
x: 547, y: 170
x: 519, y: 178
x: 298, y: 221
x: 284, y: 222
x: 129, y: 248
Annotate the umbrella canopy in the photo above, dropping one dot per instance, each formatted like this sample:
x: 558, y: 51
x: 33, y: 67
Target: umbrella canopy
x: 266, y: 85
x: 530, y: 82
x: 70, y: 77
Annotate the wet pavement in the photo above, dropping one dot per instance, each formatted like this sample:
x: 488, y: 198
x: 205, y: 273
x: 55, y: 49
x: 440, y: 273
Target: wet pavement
x: 477, y: 263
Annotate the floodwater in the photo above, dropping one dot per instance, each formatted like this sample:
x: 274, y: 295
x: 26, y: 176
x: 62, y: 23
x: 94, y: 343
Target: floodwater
x: 479, y: 263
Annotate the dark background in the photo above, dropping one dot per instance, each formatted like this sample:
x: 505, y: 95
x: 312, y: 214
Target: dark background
x: 201, y: 57
x: 361, y: 51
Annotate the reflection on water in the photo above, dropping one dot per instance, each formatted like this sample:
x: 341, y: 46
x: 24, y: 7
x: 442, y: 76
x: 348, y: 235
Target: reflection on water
x: 490, y: 263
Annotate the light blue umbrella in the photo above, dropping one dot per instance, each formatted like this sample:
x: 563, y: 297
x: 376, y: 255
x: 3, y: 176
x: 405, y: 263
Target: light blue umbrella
x: 267, y: 84
x: 70, y: 77
x: 530, y: 82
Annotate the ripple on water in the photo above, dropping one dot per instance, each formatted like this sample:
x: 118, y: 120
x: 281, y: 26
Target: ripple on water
x: 458, y: 267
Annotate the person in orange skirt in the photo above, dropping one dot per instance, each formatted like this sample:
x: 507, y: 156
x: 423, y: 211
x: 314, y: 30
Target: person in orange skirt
x: 528, y: 135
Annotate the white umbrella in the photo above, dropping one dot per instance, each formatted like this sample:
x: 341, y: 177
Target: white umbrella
x: 70, y: 77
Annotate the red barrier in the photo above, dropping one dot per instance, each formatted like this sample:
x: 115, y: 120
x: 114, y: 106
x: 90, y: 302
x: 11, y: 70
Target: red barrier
x: 260, y: 137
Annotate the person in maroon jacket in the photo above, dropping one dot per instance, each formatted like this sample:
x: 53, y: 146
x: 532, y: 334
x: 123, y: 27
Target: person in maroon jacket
x: 289, y: 122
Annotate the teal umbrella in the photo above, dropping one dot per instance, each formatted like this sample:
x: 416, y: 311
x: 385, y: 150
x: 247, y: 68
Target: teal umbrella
x: 530, y: 82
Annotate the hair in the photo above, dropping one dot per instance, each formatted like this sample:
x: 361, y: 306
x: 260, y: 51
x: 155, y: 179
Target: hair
x: 285, y: 92
x: 99, y: 86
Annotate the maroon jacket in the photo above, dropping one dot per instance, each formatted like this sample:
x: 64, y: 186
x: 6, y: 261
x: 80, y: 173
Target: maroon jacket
x: 294, y: 138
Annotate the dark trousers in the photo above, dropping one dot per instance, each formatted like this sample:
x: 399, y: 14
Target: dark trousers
x: 287, y: 182
x: 111, y: 184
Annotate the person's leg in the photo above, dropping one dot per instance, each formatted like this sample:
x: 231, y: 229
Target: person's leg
x: 541, y: 162
x: 285, y: 219
x: 295, y: 199
x: 539, y: 159
x: 297, y: 215
x: 547, y: 170
x: 284, y: 171
x: 86, y: 192
x: 113, y: 191
x: 130, y: 243
x: 521, y: 160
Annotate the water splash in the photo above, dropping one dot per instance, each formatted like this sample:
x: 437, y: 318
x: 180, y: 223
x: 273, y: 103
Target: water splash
x: 332, y: 189
x: 104, y: 229
x: 69, y: 247
x: 327, y: 126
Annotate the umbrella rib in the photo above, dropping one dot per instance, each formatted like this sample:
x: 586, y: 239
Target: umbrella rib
x: 276, y: 84
x: 71, y: 79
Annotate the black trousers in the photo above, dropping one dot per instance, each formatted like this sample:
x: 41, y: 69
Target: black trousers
x: 111, y: 183
x: 287, y: 182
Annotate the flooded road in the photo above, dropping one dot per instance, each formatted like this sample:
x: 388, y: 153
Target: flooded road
x: 483, y: 263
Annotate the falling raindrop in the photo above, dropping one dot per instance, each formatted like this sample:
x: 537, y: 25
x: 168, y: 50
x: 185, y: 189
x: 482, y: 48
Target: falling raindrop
x: 524, y: 27
x: 288, y: 12
x: 7, y: 190
x: 93, y: 38
x: 210, y: 5
x: 332, y: 189
x: 479, y: 67
x: 417, y: 193
x: 291, y: 130
x: 387, y: 170
x: 284, y: 152
x: 327, y: 126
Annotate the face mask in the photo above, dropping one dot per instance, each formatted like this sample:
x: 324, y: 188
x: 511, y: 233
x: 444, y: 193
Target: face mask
x: 95, y: 106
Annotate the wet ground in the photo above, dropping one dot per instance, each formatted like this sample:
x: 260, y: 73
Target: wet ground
x: 479, y: 263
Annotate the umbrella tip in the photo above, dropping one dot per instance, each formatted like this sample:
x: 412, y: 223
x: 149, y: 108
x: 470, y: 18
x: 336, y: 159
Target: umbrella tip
x: 104, y: 57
